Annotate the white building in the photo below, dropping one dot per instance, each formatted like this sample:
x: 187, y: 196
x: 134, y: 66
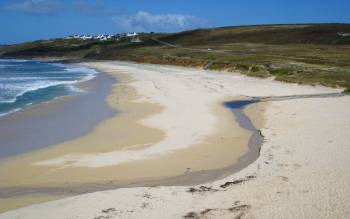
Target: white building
x: 86, y: 37
x: 101, y: 37
x: 131, y: 34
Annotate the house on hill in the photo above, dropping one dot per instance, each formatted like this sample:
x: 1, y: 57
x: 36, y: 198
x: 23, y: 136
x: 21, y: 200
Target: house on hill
x: 131, y: 34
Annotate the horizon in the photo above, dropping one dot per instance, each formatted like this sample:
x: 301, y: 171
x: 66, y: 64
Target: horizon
x: 49, y: 19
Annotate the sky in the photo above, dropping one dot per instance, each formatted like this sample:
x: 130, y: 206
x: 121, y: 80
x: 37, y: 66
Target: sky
x: 27, y: 20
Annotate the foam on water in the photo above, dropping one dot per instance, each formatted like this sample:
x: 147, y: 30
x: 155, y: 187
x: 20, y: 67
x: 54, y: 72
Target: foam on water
x: 9, y: 112
x: 24, y: 82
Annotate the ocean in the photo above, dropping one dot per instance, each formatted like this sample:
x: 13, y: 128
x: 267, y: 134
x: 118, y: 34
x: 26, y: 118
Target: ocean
x: 25, y: 83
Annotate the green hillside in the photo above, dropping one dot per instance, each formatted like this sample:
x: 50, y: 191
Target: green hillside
x: 305, y: 54
x: 268, y: 34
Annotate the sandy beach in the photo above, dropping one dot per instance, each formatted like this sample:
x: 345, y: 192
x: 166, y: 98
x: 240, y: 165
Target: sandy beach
x: 174, y: 141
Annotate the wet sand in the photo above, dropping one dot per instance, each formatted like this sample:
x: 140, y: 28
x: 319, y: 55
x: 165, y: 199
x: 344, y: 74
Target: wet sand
x: 56, y: 121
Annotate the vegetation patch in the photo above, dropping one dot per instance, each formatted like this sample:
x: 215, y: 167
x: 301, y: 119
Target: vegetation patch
x: 306, y: 54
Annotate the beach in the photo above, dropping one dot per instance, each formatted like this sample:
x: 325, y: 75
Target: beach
x: 173, y: 149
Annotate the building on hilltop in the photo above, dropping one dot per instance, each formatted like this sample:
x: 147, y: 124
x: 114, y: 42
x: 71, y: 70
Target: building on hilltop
x: 131, y: 34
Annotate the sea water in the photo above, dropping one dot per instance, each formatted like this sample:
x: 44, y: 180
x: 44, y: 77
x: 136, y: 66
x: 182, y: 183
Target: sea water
x: 25, y: 83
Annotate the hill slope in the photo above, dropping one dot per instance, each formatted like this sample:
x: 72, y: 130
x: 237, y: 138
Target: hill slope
x: 268, y: 34
x: 308, y: 53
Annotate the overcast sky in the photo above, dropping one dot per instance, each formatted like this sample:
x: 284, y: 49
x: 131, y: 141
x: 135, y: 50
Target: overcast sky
x: 24, y: 20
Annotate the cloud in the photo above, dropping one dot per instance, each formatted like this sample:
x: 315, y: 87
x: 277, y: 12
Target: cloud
x: 139, y: 22
x: 145, y: 22
x: 36, y: 7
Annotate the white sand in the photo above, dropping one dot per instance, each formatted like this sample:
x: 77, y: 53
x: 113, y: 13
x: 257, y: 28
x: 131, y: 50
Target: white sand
x: 188, y: 98
x: 303, y: 170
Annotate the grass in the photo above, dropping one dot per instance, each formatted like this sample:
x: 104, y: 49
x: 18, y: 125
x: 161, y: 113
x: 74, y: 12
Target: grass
x: 305, y: 54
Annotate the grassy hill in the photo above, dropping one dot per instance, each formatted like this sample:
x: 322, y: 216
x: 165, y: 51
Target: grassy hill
x: 307, y: 53
x: 267, y: 34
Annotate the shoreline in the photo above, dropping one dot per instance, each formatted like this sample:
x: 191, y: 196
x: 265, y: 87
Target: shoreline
x: 226, y: 115
x: 57, y: 114
x: 187, y: 179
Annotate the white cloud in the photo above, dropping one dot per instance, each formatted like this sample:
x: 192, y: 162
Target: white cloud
x: 145, y: 22
x: 140, y: 22
x: 37, y: 7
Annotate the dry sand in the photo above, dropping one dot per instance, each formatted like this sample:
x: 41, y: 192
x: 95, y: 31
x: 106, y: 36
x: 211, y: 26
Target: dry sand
x: 302, y: 171
x: 158, y: 132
